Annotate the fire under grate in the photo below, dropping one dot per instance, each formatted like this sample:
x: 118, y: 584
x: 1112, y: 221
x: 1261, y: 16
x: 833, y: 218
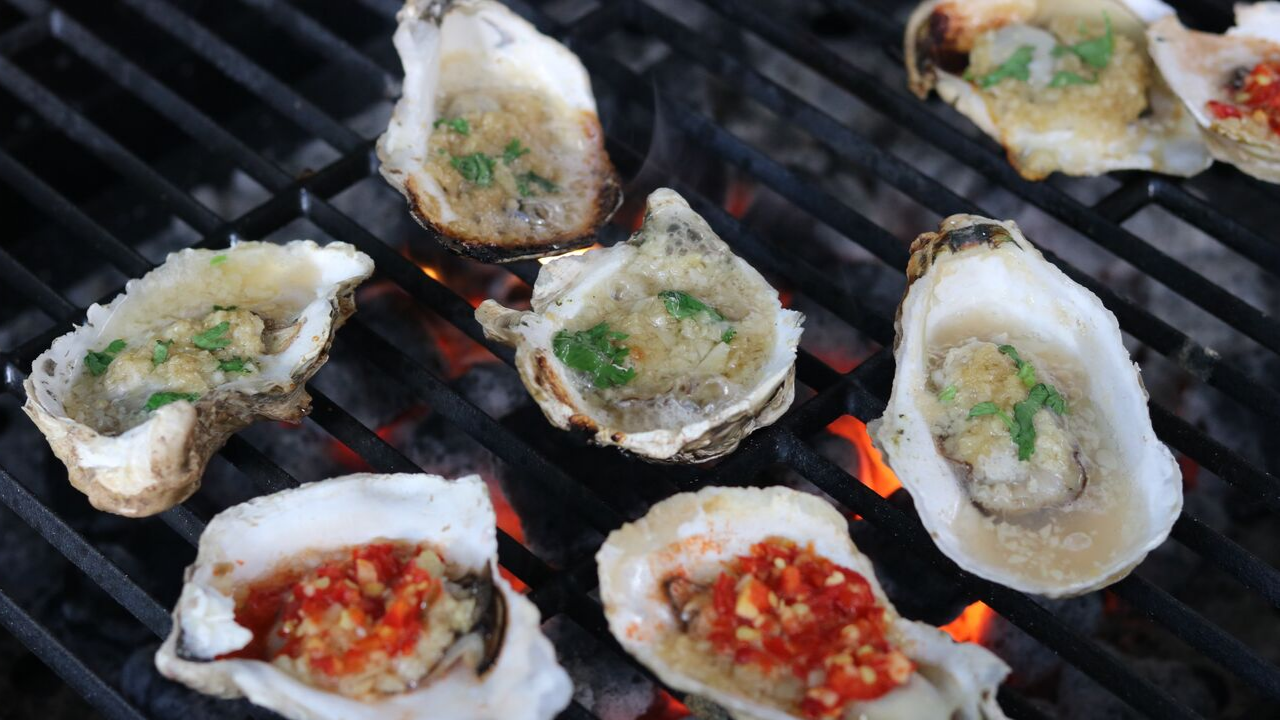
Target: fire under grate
x: 633, y: 102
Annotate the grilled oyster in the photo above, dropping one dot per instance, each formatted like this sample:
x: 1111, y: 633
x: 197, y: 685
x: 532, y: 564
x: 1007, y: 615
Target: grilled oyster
x: 1063, y: 86
x: 495, y: 142
x: 1230, y: 83
x: 366, y: 596
x: 136, y: 400
x: 667, y: 345
x: 757, y: 600
x: 1017, y: 422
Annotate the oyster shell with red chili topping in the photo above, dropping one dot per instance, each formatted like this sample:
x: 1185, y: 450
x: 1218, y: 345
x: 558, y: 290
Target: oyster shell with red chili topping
x: 663, y: 584
x: 492, y: 664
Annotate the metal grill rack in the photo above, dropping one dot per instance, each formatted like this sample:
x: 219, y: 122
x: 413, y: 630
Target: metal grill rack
x: 859, y: 393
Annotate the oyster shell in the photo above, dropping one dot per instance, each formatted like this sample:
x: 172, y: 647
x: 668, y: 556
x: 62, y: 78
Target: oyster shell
x: 281, y: 305
x: 1212, y: 71
x: 502, y: 669
x: 495, y: 142
x: 686, y: 538
x: 1056, y: 109
x: 709, y: 353
x: 1054, y: 497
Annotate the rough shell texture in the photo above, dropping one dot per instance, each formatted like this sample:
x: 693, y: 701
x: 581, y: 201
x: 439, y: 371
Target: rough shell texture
x: 696, y: 532
x: 940, y: 34
x: 524, y: 682
x: 550, y: 383
x: 155, y: 465
x: 1198, y: 66
x: 981, y: 268
x: 484, y: 45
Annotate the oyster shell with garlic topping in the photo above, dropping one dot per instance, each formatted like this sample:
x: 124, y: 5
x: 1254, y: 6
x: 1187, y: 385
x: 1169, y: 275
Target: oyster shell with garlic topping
x: 495, y: 142
x: 493, y: 663
x: 136, y: 400
x: 1017, y: 421
x: 658, y: 580
x: 1063, y: 86
x: 667, y: 345
x: 1229, y: 84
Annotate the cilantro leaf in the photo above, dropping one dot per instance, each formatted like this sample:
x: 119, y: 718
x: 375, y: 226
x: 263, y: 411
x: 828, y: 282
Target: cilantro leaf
x: 1095, y: 52
x: 475, y: 168
x: 989, y: 408
x: 1026, y: 372
x: 225, y: 307
x: 1017, y: 67
x: 728, y: 335
x: 236, y: 365
x: 596, y: 353
x: 160, y: 352
x: 948, y: 394
x: 1064, y: 78
x: 682, y: 305
x: 525, y: 180
x: 513, y: 151
x: 97, y: 362
x: 217, y: 259
x: 160, y: 399
x: 458, y: 125
x: 1054, y: 401
x: 213, y: 338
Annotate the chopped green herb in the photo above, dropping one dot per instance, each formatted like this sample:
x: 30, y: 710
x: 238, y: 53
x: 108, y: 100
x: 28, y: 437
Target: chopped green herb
x: 160, y: 352
x: 1017, y: 67
x: 728, y: 335
x: 1026, y: 371
x: 513, y: 151
x: 948, y: 394
x: 596, y: 353
x: 1064, y: 78
x: 160, y: 399
x: 1022, y: 427
x: 234, y: 365
x: 1095, y: 52
x: 475, y: 168
x: 217, y: 259
x: 216, y: 308
x: 97, y: 362
x: 213, y: 338
x: 458, y: 125
x: 525, y: 180
x: 1055, y: 401
x: 682, y: 305
x: 989, y: 408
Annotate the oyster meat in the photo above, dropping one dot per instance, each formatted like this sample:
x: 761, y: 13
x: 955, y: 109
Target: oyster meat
x: 136, y: 400
x: 667, y: 345
x: 1017, y: 421
x: 1230, y: 84
x: 363, y: 597
x: 1063, y: 86
x: 495, y: 142
x: 757, y: 600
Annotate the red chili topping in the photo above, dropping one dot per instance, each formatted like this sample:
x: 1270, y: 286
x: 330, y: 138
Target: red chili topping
x: 784, y: 607
x: 1256, y: 95
x: 343, y: 611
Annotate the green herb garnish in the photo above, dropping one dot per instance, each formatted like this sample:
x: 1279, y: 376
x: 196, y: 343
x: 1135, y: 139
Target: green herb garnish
x: 525, y: 180
x: 97, y: 362
x: 217, y: 259
x: 1026, y: 372
x: 475, y: 168
x: 1095, y: 52
x: 213, y: 338
x: 160, y: 352
x: 161, y: 399
x: 728, y: 335
x: 216, y: 308
x: 1064, y: 78
x: 989, y: 408
x: 236, y: 365
x: 948, y: 394
x: 458, y: 125
x: 1022, y: 427
x: 513, y: 151
x: 1017, y: 67
x: 596, y: 353
x: 682, y: 305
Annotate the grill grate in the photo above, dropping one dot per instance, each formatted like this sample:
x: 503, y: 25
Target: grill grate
x: 858, y: 393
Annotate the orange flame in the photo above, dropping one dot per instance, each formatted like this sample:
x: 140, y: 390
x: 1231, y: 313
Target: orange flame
x: 872, y: 470
x: 665, y: 707
x: 579, y: 251
x: 971, y: 623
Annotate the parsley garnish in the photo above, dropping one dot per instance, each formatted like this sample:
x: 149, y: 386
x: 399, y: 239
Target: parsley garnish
x: 212, y: 339
x: 728, y: 335
x: 682, y: 305
x: 97, y: 362
x: 513, y: 151
x: 234, y: 365
x: 1017, y: 66
x: 458, y: 125
x: 475, y: 168
x: 161, y: 399
x: 989, y: 408
x: 160, y: 352
x: 1022, y: 427
x: 1095, y: 52
x: 596, y: 353
x: 225, y: 307
x: 1063, y: 78
x: 1026, y: 372
x: 523, y: 181
x: 948, y: 394
x: 217, y: 259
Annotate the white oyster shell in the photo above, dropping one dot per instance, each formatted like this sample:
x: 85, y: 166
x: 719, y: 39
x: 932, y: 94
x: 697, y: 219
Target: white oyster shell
x: 694, y: 533
x: 1198, y: 66
x: 981, y: 279
x: 451, y: 46
x: 562, y: 292
x: 524, y: 681
x: 940, y: 34
x: 157, y: 464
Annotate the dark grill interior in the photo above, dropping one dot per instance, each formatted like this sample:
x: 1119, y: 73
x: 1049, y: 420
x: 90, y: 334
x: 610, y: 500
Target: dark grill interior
x: 114, y: 114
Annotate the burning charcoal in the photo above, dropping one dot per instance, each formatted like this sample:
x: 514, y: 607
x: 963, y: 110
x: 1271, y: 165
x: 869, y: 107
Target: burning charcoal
x: 1080, y: 698
x: 1031, y: 661
x: 493, y: 388
x: 163, y: 700
x: 604, y: 682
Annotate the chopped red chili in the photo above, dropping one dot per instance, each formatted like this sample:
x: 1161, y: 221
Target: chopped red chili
x: 1256, y: 95
x: 784, y: 607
